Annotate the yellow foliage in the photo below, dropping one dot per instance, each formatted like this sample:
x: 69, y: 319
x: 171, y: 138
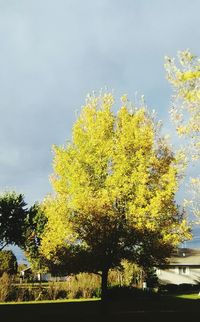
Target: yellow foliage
x: 185, y: 112
x: 116, y: 169
x: 58, y: 229
x: 186, y: 105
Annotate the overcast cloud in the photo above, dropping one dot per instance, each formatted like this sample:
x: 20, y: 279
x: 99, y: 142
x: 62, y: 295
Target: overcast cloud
x: 54, y: 52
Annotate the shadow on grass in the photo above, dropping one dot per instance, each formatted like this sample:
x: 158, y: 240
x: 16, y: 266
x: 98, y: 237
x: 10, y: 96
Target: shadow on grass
x: 155, y: 309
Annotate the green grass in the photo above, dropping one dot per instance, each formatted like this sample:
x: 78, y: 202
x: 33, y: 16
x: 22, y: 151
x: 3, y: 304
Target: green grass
x: 189, y: 296
x: 51, y: 301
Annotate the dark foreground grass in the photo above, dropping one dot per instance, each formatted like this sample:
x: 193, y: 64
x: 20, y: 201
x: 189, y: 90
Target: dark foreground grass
x: 157, y: 309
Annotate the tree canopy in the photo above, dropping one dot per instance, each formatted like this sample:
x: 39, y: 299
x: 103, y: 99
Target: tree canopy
x: 184, y: 75
x: 13, y: 212
x: 8, y: 262
x: 114, y: 185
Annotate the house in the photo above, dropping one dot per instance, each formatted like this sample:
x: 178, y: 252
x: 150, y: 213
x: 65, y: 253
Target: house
x: 25, y: 273
x: 182, y: 267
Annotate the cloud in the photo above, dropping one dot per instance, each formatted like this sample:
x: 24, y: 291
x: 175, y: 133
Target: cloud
x: 54, y: 52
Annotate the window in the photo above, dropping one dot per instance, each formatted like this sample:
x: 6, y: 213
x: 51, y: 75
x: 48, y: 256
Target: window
x: 184, y: 270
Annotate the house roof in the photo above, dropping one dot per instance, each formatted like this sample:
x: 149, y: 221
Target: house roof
x: 26, y: 269
x: 185, y: 256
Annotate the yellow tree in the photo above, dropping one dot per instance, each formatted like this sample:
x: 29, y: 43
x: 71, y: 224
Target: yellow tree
x: 114, y: 192
x: 184, y: 76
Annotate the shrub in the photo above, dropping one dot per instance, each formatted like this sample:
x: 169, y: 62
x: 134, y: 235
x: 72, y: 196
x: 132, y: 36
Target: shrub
x: 122, y: 292
x: 127, y: 293
x: 171, y: 288
x: 181, y: 288
x: 188, y: 287
x: 5, y: 287
x: 151, y: 278
x: 83, y: 285
x: 56, y: 290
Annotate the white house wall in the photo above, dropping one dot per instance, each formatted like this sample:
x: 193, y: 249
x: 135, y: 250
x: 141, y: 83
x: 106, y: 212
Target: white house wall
x: 175, y: 275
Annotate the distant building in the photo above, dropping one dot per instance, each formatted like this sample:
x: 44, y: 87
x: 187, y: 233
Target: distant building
x: 26, y: 273
x: 41, y: 277
x: 182, y: 267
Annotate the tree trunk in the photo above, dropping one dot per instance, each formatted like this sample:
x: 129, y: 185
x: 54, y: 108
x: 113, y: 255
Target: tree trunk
x: 104, y: 284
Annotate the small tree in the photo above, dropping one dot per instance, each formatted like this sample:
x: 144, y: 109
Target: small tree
x: 33, y: 228
x: 13, y: 212
x: 115, y: 186
x: 8, y: 262
x: 131, y: 273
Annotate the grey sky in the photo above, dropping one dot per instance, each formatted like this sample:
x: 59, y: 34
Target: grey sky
x: 54, y: 52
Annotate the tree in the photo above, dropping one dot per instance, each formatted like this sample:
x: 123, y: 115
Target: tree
x: 13, y: 212
x: 114, y: 192
x: 33, y: 228
x: 185, y: 79
x: 8, y: 262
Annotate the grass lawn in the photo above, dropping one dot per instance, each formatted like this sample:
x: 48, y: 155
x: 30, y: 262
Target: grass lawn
x: 50, y: 301
x: 157, y: 309
x: 189, y: 296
